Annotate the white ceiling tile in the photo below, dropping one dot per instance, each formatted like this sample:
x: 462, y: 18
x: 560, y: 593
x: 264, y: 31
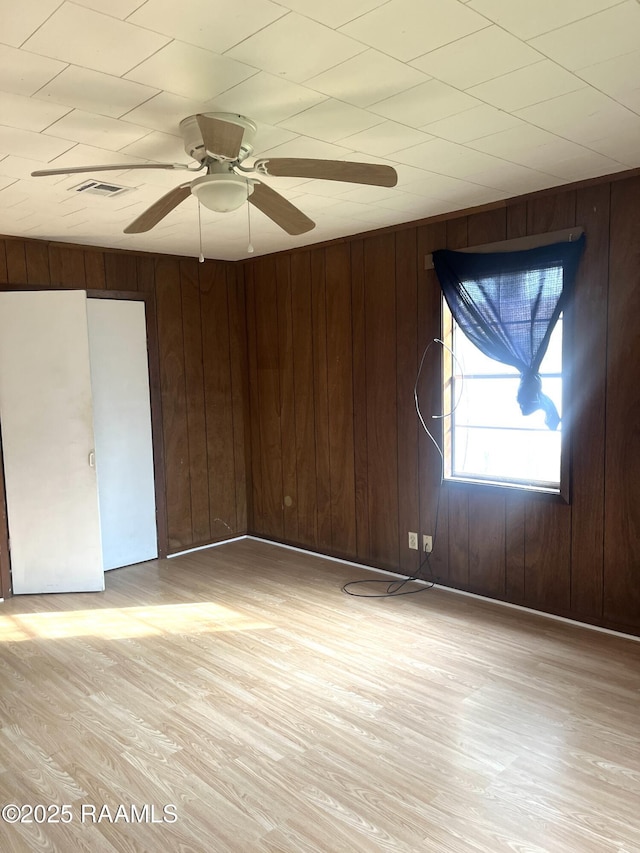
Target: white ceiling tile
x: 87, y: 155
x: 333, y: 13
x: 595, y: 39
x: 90, y: 39
x: 18, y: 23
x: 116, y: 8
x: 21, y: 167
x: 623, y: 149
x: 6, y: 181
x: 529, y: 146
x: 617, y: 77
x: 529, y: 18
x: 95, y: 92
x: 513, y: 178
x: 433, y: 185
x: 190, y: 71
x: 369, y: 195
x: 527, y: 86
x: 161, y: 147
x: 265, y: 98
x: 164, y: 112
x: 303, y: 146
x: 296, y: 48
x: 99, y: 131
x: 425, y: 103
x: 587, y: 164
x: 446, y: 158
x: 406, y: 29
x: 472, y: 124
x: 367, y: 78
x: 581, y: 116
x: 476, y: 58
x: 28, y: 143
x: 211, y: 25
x: 268, y: 137
x: 331, y: 120
x: 27, y: 113
x: 385, y: 138
x: 24, y: 73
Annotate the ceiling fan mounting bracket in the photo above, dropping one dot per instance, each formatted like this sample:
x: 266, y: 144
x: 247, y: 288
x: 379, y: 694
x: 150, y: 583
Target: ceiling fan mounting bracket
x: 192, y: 136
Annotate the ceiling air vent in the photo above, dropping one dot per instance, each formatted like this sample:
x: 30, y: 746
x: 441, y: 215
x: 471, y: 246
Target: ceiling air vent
x: 100, y: 188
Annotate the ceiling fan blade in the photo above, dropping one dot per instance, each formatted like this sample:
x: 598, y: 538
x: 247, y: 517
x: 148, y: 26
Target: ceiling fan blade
x: 73, y: 170
x: 221, y: 138
x: 330, y: 170
x: 152, y: 215
x: 280, y: 210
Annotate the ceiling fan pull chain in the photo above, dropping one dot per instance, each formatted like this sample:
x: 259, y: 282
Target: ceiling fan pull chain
x: 250, y: 246
x: 201, y: 256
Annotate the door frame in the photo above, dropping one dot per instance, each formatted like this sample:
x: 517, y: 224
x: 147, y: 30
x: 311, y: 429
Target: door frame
x: 155, y: 395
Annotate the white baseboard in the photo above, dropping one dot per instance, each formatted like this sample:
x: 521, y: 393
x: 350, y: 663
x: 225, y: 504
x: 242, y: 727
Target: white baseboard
x: 399, y: 576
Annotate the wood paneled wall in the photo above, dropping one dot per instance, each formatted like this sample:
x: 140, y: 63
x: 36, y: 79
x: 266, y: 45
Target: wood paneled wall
x: 201, y: 371
x: 335, y: 334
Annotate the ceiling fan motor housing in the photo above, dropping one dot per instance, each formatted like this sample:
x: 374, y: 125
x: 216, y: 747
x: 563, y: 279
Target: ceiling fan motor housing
x: 194, y: 146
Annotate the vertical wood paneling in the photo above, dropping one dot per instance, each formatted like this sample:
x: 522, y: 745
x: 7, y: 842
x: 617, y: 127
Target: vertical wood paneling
x: 340, y: 396
x: 256, y: 515
x: 174, y: 408
x: 192, y: 322
x: 216, y: 375
x: 266, y: 319
x: 382, y: 428
x: 16, y: 262
x: 120, y: 271
x: 361, y: 452
x: 622, y: 461
x: 303, y: 361
x: 320, y: 387
x: 239, y: 391
x: 406, y: 274
x: 434, y: 498
x: 3, y: 263
x: 95, y: 274
x: 69, y: 268
x: 287, y: 399
x: 586, y: 389
x: 37, y: 259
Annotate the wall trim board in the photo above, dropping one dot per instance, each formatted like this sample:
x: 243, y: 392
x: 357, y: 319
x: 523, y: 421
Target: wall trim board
x: 206, y: 547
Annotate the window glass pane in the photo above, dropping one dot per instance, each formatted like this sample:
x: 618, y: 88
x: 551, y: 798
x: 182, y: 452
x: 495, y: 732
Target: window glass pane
x: 490, y: 438
x: 499, y: 454
x: 493, y: 402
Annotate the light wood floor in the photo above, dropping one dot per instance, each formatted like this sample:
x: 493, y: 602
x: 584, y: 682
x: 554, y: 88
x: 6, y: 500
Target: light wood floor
x: 279, y: 715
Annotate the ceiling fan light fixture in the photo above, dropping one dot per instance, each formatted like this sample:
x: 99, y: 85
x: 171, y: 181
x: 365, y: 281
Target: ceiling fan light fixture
x: 222, y: 193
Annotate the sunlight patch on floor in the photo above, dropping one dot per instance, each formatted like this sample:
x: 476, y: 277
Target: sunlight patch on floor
x: 126, y: 622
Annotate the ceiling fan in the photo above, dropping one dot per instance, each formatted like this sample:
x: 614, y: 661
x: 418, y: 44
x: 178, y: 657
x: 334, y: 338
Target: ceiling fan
x: 220, y: 142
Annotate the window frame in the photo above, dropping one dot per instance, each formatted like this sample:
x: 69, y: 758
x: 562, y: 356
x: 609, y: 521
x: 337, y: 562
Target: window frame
x: 563, y: 492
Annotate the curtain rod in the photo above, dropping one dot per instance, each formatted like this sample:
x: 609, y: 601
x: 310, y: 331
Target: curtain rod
x: 519, y: 243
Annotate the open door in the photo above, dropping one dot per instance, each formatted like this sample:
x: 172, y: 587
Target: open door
x: 47, y: 432
x: 122, y: 426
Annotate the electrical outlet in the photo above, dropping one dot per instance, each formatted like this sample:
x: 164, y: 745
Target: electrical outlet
x: 413, y: 541
x: 427, y: 544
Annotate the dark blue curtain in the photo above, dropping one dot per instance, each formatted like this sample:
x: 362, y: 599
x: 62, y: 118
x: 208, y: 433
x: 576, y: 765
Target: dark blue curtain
x: 507, y: 304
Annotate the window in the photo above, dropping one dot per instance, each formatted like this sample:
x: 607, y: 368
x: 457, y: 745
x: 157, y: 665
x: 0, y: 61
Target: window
x: 503, y: 370
x: 487, y: 439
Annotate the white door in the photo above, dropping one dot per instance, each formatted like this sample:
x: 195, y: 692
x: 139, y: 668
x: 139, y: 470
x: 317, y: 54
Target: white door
x: 122, y: 424
x: 47, y: 433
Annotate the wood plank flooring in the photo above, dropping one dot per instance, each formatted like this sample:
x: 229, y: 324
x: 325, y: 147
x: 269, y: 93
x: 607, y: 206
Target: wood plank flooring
x: 279, y: 715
